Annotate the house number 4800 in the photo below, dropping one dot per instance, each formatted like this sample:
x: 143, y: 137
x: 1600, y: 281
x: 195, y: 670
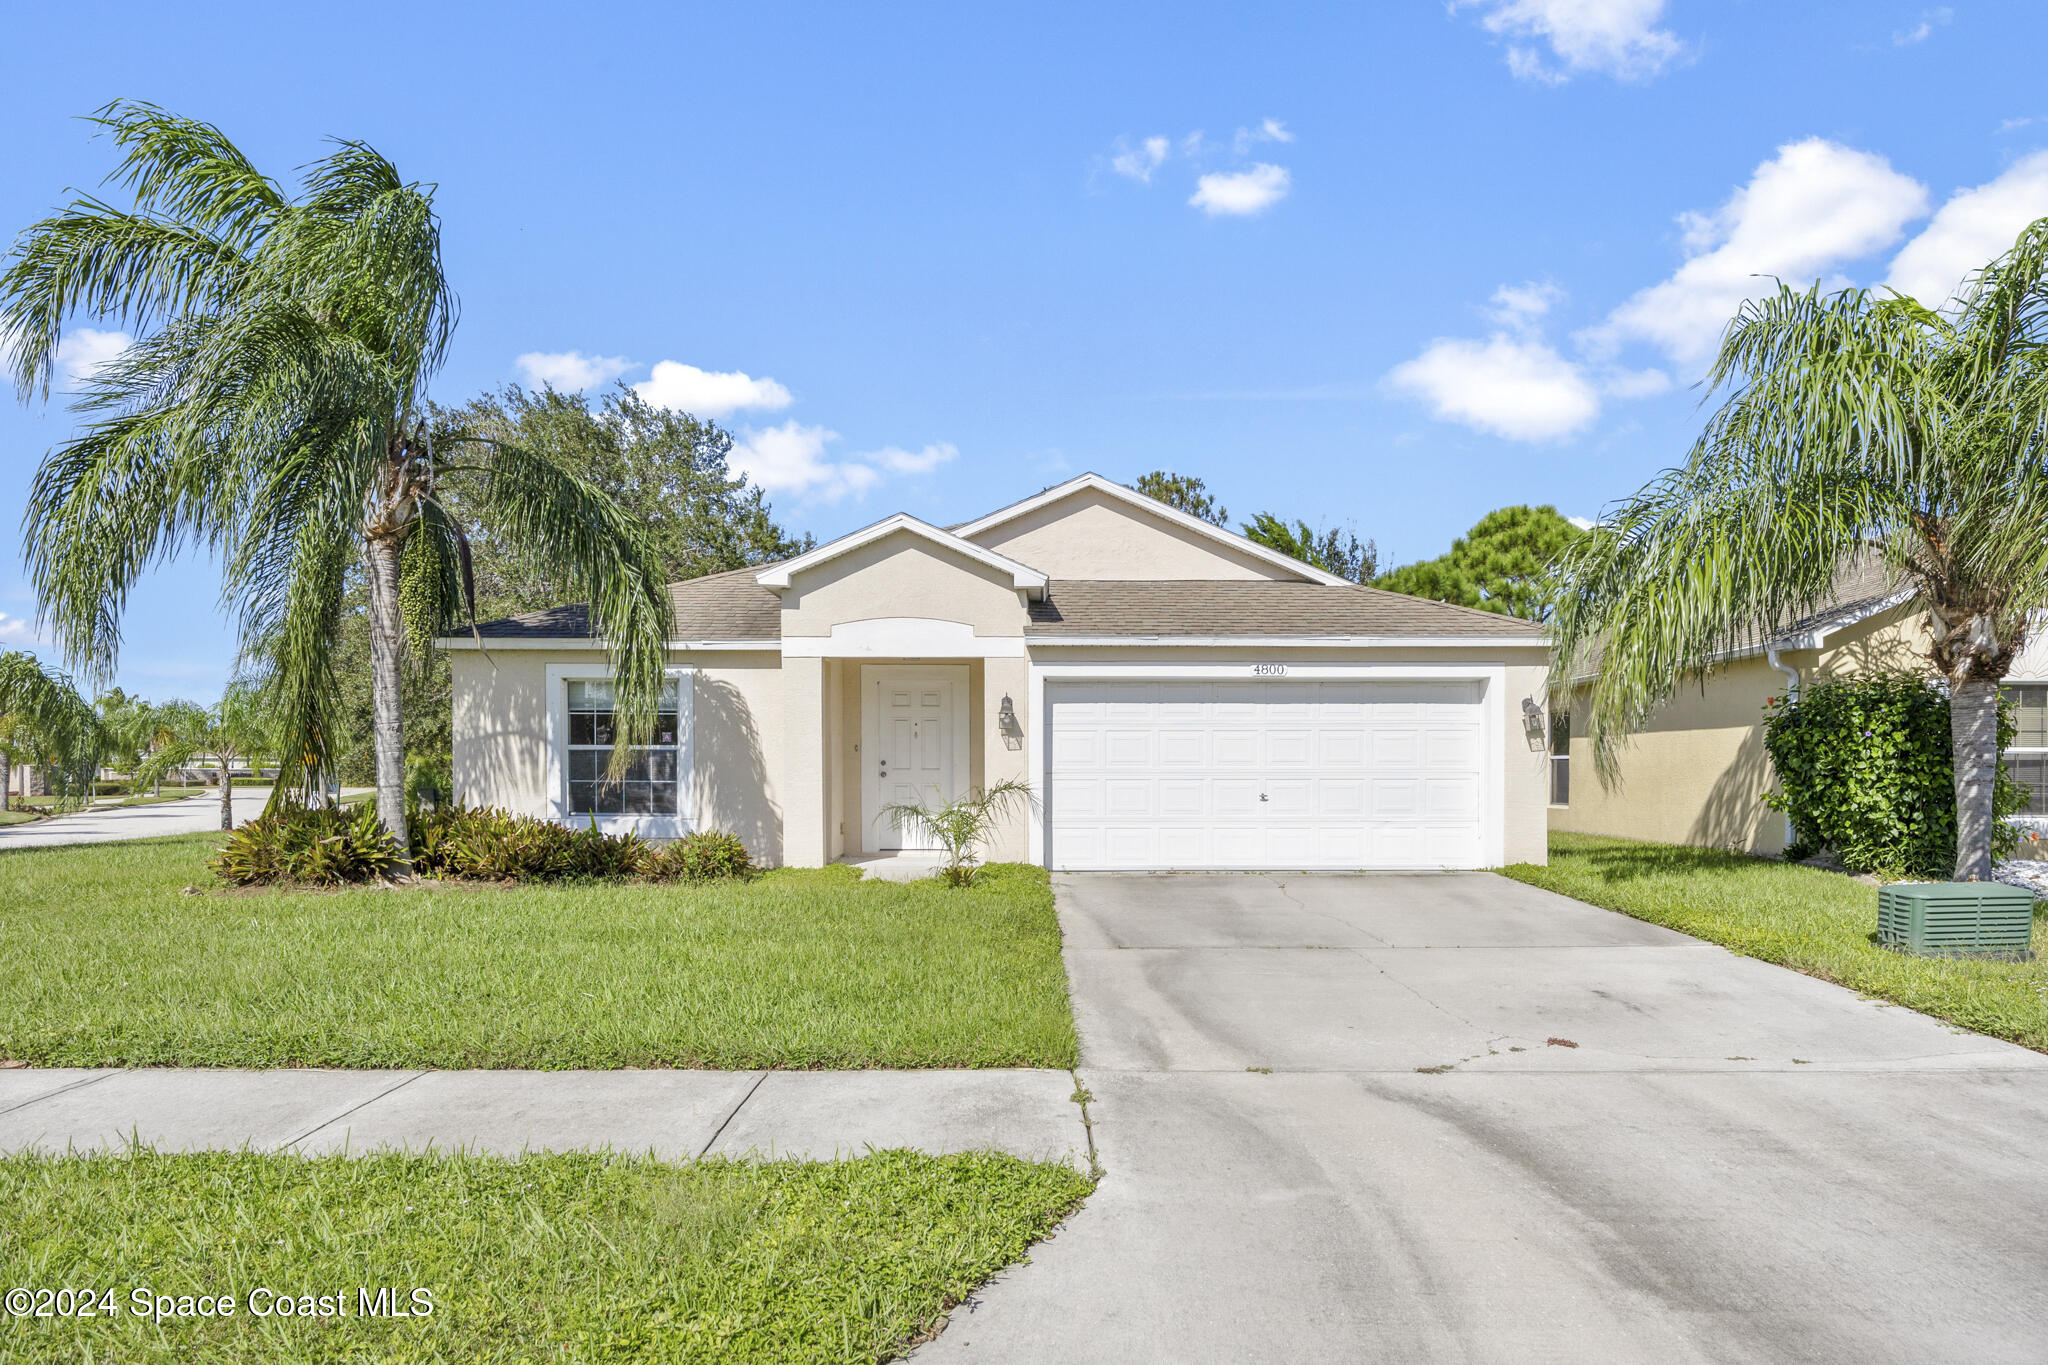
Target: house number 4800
x: 1268, y: 670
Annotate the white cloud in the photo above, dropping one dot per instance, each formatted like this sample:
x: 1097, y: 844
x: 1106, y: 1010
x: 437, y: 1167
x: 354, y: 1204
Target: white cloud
x: 710, y: 393
x: 2013, y: 125
x: 1517, y: 387
x: 1921, y: 32
x: 1619, y: 38
x: 791, y: 459
x: 570, y: 371
x: 81, y: 353
x: 1805, y: 213
x: 18, y: 632
x: 897, y: 460
x: 1269, y: 130
x: 1241, y: 193
x: 1519, y: 306
x: 1139, y: 162
x: 1973, y: 227
x: 1583, y: 523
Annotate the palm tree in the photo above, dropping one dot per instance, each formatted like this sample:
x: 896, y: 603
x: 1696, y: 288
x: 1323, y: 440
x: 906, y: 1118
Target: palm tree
x: 237, y: 728
x: 274, y: 410
x: 1853, y: 425
x: 41, y: 713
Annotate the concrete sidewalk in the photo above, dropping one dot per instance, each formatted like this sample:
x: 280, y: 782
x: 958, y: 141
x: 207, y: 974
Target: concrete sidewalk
x: 809, y: 1115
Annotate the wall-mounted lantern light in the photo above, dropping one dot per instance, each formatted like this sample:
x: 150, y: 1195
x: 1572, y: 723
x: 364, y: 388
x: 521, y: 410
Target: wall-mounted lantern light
x: 1006, y: 721
x: 1532, y: 722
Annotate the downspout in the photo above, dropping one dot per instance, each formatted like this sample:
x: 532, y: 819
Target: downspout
x: 1791, y: 695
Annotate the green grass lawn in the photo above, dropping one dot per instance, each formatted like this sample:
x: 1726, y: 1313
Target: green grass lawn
x: 107, y: 963
x: 1820, y: 923
x: 580, y: 1257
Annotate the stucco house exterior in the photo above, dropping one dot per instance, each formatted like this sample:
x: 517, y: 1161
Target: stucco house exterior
x: 1696, y: 774
x: 1176, y: 696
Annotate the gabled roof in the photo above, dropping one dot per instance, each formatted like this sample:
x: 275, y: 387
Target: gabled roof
x: 1254, y: 608
x: 719, y: 606
x: 1151, y: 507
x: 1022, y: 576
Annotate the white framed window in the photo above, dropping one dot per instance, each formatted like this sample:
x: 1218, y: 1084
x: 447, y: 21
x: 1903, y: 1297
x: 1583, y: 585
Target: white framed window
x: 1560, y: 756
x: 652, y: 796
x: 2027, y: 757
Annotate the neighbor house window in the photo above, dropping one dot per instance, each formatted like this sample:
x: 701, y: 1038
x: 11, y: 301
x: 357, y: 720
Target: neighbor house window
x: 1560, y: 757
x: 649, y: 784
x: 2027, y: 759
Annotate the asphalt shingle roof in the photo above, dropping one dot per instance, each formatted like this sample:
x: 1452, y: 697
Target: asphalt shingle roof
x: 1253, y: 607
x: 732, y: 606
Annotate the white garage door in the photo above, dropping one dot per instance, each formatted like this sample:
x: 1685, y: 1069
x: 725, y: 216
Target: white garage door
x: 1276, y: 774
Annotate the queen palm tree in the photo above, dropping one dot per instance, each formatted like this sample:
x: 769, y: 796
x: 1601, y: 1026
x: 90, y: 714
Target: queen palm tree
x: 1853, y: 425
x: 237, y: 728
x: 273, y: 409
x: 42, y: 716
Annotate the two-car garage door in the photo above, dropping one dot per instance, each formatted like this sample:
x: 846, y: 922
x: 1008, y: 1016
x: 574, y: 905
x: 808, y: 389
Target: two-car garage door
x: 1265, y: 774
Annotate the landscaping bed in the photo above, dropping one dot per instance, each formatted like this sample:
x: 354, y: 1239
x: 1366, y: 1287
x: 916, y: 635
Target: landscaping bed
x: 112, y: 961
x: 569, y: 1257
x: 1817, y: 922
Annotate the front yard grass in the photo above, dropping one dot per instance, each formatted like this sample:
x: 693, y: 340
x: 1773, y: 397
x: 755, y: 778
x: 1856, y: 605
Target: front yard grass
x: 109, y: 963
x: 570, y: 1257
x: 1820, y: 923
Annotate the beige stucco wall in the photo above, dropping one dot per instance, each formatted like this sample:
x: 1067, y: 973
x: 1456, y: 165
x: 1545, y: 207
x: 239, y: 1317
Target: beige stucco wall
x: 901, y: 575
x: 1697, y: 772
x: 737, y: 739
x: 1091, y: 535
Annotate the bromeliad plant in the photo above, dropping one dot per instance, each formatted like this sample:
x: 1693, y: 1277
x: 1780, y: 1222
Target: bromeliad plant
x: 1854, y: 425
x: 961, y: 828
x: 274, y: 410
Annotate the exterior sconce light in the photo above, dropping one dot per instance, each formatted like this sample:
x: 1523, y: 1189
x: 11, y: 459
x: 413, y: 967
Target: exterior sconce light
x: 1532, y: 722
x: 1006, y: 722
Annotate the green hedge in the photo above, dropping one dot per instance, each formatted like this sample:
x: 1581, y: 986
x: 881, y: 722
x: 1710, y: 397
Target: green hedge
x: 1866, y: 769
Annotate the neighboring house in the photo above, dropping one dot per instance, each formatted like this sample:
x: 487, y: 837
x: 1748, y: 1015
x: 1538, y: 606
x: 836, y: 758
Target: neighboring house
x: 1175, y: 695
x: 1697, y: 772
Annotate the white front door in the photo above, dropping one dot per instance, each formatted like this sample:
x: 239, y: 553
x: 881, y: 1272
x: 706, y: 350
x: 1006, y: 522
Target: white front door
x: 914, y: 746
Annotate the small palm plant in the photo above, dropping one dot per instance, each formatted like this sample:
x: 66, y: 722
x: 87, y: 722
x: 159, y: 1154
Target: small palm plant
x: 961, y: 827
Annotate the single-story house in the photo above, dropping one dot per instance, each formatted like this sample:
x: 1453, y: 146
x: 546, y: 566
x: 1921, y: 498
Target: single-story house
x: 1176, y: 696
x: 1697, y: 772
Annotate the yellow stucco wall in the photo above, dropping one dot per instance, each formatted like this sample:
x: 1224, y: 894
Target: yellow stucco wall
x: 1091, y: 535
x: 1696, y: 773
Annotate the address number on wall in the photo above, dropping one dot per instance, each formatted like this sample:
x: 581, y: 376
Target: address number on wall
x: 1269, y: 670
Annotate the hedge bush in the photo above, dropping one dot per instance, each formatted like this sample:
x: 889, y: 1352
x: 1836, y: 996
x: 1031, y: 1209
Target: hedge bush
x: 324, y: 846
x: 1866, y: 770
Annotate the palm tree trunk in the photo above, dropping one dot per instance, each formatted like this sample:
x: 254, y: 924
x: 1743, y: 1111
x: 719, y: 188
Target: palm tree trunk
x: 387, y: 653
x: 227, y: 793
x: 1973, y: 731
x: 6, y: 779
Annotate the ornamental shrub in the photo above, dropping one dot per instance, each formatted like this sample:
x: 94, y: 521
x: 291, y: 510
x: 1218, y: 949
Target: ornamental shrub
x: 487, y: 844
x: 1866, y: 770
x: 704, y: 855
x: 321, y: 846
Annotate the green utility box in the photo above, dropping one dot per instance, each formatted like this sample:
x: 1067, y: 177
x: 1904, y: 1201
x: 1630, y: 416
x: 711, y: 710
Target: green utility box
x: 1957, y: 919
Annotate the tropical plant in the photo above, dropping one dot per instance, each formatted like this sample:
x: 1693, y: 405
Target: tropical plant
x: 44, y: 719
x: 961, y: 827
x: 1503, y: 564
x: 1332, y: 550
x: 274, y: 408
x: 1866, y: 771
x: 701, y: 855
x: 488, y: 844
x: 315, y: 845
x: 1853, y: 425
x: 1184, y: 493
x: 236, y: 729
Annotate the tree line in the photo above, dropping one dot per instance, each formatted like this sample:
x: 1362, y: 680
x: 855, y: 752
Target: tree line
x: 1503, y: 564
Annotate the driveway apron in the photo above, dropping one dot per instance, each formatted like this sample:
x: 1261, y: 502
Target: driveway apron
x: 1448, y: 1117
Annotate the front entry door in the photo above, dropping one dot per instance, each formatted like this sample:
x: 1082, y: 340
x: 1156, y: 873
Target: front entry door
x: 914, y: 747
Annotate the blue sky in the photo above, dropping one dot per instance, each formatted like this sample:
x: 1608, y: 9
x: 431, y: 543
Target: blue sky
x: 1390, y: 265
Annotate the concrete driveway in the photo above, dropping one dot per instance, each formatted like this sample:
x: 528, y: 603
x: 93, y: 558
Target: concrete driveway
x: 1336, y: 1126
